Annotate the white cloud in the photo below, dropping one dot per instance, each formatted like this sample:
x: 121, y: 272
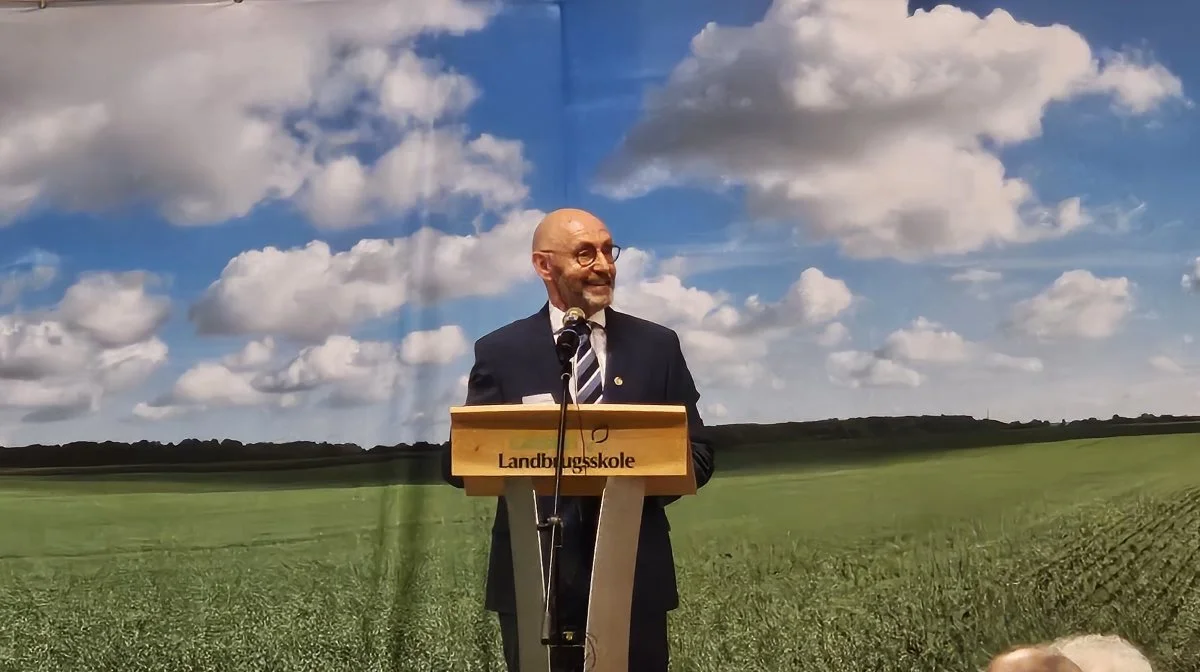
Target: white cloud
x: 926, y: 341
x: 205, y: 114
x: 1165, y: 364
x: 428, y: 169
x: 128, y: 366
x: 833, y: 334
x: 437, y: 346
x: 976, y: 276
x: 816, y: 298
x: 923, y: 344
x: 1137, y: 84
x: 1191, y: 279
x: 206, y: 384
x: 20, y: 281
x: 1077, y: 305
x: 254, y: 355
x: 823, y: 109
x: 999, y: 361
x: 353, y: 372
x: 32, y: 349
x: 977, y: 280
x: 60, y: 363
x: 728, y: 343
x: 312, y: 292
x: 113, y: 308
x: 47, y: 400
x: 339, y: 360
x: 853, y: 368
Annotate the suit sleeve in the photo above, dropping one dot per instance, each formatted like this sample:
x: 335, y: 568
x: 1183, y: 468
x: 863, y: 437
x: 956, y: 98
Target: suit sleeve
x: 482, y: 389
x: 681, y: 389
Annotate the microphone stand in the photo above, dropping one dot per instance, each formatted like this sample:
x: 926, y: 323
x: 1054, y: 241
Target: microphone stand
x: 552, y: 631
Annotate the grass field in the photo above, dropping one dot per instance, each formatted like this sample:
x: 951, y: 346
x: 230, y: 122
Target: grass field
x: 928, y: 564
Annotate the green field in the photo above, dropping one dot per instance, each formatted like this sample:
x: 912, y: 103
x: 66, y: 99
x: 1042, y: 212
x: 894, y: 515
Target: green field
x: 926, y: 564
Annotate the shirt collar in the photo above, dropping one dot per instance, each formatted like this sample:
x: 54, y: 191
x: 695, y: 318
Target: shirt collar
x: 556, y: 318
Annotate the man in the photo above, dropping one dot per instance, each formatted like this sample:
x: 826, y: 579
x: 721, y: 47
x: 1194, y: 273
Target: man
x: 1077, y: 653
x: 1032, y: 659
x: 1102, y: 653
x: 638, y: 362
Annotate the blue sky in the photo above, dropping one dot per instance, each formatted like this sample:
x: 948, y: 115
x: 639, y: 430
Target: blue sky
x: 143, y: 164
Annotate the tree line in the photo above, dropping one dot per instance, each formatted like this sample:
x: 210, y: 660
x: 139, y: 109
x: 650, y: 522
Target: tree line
x: 739, y: 446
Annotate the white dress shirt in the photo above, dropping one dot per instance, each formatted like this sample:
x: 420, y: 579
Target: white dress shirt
x: 598, y: 338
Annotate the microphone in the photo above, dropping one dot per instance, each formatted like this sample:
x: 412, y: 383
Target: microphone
x: 568, y: 338
x: 573, y: 317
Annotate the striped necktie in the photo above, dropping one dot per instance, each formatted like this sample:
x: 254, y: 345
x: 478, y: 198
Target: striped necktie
x: 588, y: 381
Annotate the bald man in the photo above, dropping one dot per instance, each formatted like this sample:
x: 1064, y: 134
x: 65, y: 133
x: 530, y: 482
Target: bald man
x: 1074, y: 653
x: 1032, y: 659
x: 621, y: 359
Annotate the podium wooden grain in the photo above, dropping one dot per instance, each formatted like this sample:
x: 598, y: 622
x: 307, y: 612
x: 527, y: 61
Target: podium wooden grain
x: 619, y: 452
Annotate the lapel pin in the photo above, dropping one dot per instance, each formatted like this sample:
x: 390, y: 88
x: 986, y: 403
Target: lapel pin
x: 617, y: 380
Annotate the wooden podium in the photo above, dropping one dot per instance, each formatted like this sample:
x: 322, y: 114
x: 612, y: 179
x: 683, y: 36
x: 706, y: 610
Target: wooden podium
x: 620, y: 452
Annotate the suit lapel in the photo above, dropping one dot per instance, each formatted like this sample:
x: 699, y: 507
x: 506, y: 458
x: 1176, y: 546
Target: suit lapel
x: 545, y: 360
x: 618, y: 364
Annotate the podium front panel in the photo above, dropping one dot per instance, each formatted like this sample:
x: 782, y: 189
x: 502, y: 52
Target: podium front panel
x: 602, y: 440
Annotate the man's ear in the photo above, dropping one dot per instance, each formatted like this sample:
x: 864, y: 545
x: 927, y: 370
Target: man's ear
x: 541, y: 265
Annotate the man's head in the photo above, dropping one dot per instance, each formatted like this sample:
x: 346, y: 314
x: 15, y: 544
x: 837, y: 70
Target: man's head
x: 1102, y: 653
x: 573, y: 254
x: 1032, y: 659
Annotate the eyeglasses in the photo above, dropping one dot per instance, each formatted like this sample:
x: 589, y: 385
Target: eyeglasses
x: 587, y: 256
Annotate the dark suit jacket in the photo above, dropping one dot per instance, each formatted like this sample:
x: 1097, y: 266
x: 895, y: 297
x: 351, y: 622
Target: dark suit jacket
x: 519, y: 360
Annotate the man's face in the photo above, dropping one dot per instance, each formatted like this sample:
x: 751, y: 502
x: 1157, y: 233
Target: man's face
x: 589, y: 287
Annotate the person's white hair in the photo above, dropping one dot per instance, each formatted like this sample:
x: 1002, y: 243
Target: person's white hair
x: 1102, y: 653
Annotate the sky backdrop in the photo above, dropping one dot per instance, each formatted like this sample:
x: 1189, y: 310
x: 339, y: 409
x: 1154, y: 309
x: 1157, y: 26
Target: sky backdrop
x: 281, y: 220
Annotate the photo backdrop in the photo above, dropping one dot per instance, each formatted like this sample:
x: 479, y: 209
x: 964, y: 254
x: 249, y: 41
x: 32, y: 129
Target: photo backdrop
x: 287, y: 221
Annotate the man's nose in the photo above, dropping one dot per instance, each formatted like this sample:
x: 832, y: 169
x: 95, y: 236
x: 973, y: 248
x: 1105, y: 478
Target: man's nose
x: 603, y: 263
